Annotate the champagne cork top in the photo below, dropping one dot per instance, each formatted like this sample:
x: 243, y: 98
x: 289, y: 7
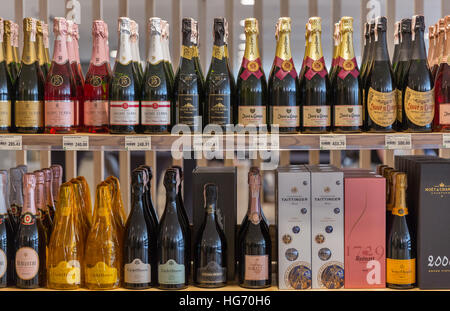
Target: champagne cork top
x: 189, y: 30
x: 60, y: 26
x: 418, y: 23
x: 220, y: 29
x: 406, y: 25
x: 149, y: 171
x: 16, y: 174
x: 254, y: 177
x: 315, y: 24
x: 251, y: 26
x: 441, y: 25
x: 154, y: 26
x: 170, y: 178
x: 40, y: 177
x: 7, y: 26
x: 134, y: 30
x: 381, y: 23
x: 210, y: 192
x: 124, y: 25
x: 284, y: 24
x: 138, y: 178
x: 47, y: 174
x: 29, y: 25
x: 99, y: 28
x: 72, y: 29
x: 29, y: 180
x: 400, y: 180
x: 346, y: 24
x: 165, y: 29
x: 56, y: 171
x: 39, y: 27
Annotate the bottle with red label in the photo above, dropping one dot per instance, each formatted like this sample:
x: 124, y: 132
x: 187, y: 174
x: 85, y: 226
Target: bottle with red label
x: 96, y: 86
x: 30, y: 241
x: 156, y: 108
x: 60, y: 90
x: 442, y: 86
x: 124, y: 88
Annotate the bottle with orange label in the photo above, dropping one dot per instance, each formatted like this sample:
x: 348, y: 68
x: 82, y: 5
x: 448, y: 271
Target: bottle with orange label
x: 400, y: 259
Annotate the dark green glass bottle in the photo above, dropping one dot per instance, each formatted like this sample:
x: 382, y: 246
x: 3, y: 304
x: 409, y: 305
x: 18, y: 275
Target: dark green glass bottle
x: 5, y: 89
x: 166, y: 50
x: 8, y: 41
x: 397, y: 30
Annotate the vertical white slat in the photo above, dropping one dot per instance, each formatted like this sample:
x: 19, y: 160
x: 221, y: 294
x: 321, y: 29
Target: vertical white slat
x: 99, y: 166
x: 125, y: 178
x: 124, y: 8
x: 202, y: 22
x: 419, y: 7
x: 365, y: 159
x: 21, y: 157
x: 258, y: 13
x: 229, y: 14
x: 97, y: 9
x: 150, y: 160
x: 43, y: 11
x: 445, y: 7
x: 336, y: 12
x: 45, y: 158
x: 284, y: 7
x: 71, y: 164
x: 388, y: 158
x: 176, y: 32
x: 391, y: 19
x: 314, y: 157
x: 335, y: 158
x: 313, y: 8
x: 19, y: 10
x: 149, y: 12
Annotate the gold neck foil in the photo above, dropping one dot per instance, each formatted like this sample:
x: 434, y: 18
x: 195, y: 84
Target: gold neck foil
x: 29, y: 42
x: 40, y: 49
x: 346, y: 49
x: 315, y: 51
x: 283, y: 32
x: 251, y: 52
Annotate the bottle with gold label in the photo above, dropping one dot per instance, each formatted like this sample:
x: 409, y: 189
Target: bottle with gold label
x: 400, y: 259
x: 40, y: 49
x: 336, y: 44
x: 251, y: 91
x: 5, y: 88
x: 8, y: 44
x: 418, y: 102
x: 28, y: 108
x: 284, y: 97
x: 102, y: 252
x: 380, y: 88
x: 315, y: 88
x: 66, y: 248
x: 347, y: 109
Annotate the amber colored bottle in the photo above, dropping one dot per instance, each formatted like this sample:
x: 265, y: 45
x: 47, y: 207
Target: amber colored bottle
x: 66, y: 248
x: 79, y: 207
x: 102, y: 252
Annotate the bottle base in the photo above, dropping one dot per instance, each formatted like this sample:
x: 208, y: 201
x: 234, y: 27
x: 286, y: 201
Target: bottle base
x: 172, y: 287
x: 397, y: 286
x: 59, y: 130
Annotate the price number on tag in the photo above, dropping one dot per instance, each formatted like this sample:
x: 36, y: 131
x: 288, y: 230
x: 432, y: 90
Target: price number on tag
x: 10, y: 142
x: 75, y: 142
x: 333, y: 142
x: 137, y: 143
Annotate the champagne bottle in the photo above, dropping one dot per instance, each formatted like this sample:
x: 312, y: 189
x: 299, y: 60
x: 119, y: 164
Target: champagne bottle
x: 219, y: 85
x: 96, y: 87
x: 439, y: 47
x: 251, y: 103
x: 254, y: 244
x: 166, y: 50
x: 6, y: 235
x: 74, y: 58
x: 156, y: 108
x: 102, y: 252
x: 137, y: 243
x: 347, y: 111
x: 124, y: 86
x: 30, y: 261
x: 442, y: 89
x: 381, y: 99
x: 60, y: 88
x: 367, y: 49
x: 188, y: 85
x: 79, y: 209
x: 417, y: 93
x: 16, y: 196
x: 15, y: 43
x: 46, y: 45
x: 196, y: 56
x: 397, y: 29
x: 8, y: 39
x: 66, y: 248
x: 284, y: 101
x: 49, y: 202
x: 210, y: 261
x: 5, y: 88
x: 43, y: 215
x: 370, y: 55
x: 172, y: 243
x: 432, y: 46
x: 400, y: 259
x: 134, y: 42
x: 315, y: 84
x: 336, y: 44
x: 57, y: 172
x: 86, y: 192
x: 40, y: 49
x: 28, y: 108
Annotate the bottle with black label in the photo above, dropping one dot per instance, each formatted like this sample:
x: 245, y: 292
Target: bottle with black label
x: 188, y: 86
x: 219, y: 85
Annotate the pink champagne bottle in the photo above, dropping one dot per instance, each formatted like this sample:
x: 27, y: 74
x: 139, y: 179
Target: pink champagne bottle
x: 60, y: 89
x: 96, y: 87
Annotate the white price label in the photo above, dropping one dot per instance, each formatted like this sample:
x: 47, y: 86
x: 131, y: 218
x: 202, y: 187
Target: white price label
x: 398, y: 141
x: 446, y: 141
x: 10, y: 142
x: 138, y: 143
x: 333, y: 142
x: 75, y: 142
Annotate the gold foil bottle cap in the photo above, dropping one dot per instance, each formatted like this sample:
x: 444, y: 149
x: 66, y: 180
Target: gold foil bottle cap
x: 40, y: 177
x: 315, y: 24
x: 124, y: 25
x: 154, y: 26
x: 337, y: 32
x: 447, y: 23
x: 400, y: 180
x: 7, y: 27
x: 39, y: 29
x: 284, y: 24
x: 251, y: 26
x: 346, y: 24
x: 29, y: 180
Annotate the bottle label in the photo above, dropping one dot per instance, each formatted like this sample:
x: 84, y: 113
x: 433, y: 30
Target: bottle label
x: 101, y: 273
x: 212, y: 273
x: 3, y: 263
x: 400, y: 211
x: 401, y: 271
x: 187, y: 108
x: 419, y: 106
x: 96, y: 112
x: 256, y: 267
x: 16, y: 210
x: 29, y: 113
x: 219, y: 109
x: 399, y: 105
x: 5, y: 113
x: 27, y: 263
x: 28, y: 219
x: 382, y: 107
x: 219, y: 52
x: 137, y: 272
x: 348, y: 115
x: 444, y: 114
x: 155, y: 112
x: 187, y: 52
x: 251, y: 68
x: 124, y: 113
x: 66, y: 273
x: 316, y: 116
x: 59, y: 113
x: 285, y: 116
x: 171, y: 273
x: 286, y: 67
x: 252, y: 115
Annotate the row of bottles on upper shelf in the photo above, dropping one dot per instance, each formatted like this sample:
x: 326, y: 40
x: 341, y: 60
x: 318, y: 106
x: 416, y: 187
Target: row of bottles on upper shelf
x: 377, y: 97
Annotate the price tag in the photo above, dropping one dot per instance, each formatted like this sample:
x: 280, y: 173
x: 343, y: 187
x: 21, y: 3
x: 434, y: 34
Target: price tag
x: 446, y: 141
x: 75, y: 142
x: 402, y: 141
x: 12, y: 142
x: 333, y: 142
x: 137, y: 143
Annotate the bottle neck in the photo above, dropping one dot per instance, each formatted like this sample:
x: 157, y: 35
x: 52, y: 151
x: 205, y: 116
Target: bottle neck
x: 137, y: 203
x: 418, y: 46
x: 400, y: 208
x: 439, y: 48
x: 431, y: 50
x: 99, y: 53
x: 29, y: 201
x: 346, y: 50
x: 40, y: 49
x: 254, y: 205
x: 210, y: 209
x: 446, y: 53
x: 315, y: 51
x: 405, y: 47
x: 29, y: 49
x: 48, y: 193
x: 366, y: 49
x: 40, y: 196
x: 124, y: 54
x: 135, y: 55
x: 9, y: 54
x: 171, y: 198
x: 283, y: 49
x: 166, y: 50
x: 380, y: 47
x: 251, y: 52
x: 156, y: 51
x: 70, y: 44
x: 60, y: 53
x: 3, y: 208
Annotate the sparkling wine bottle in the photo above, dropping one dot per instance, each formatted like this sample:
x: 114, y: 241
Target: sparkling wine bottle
x: 442, y: 86
x: 166, y: 50
x: 397, y: 29
x: 336, y: 44
x: 16, y: 196
x: 439, y: 47
x: 135, y: 55
x: 6, y: 235
x: 60, y: 88
x: 43, y: 215
x: 5, y: 88
x: 87, y: 199
x: 8, y: 39
x: 432, y: 45
x: 74, y: 59
x: 41, y: 48
x: 57, y: 174
x: 49, y: 202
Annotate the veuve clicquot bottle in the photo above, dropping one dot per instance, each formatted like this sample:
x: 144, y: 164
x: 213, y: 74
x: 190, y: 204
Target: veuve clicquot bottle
x: 188, y: 85
x: 400, y: 259
x: 254, y: 244
x: 28, y: 109
x: 5, y: 88
x: 418, y: 86
x: 219, y: 85
x: 6, y: 235
x: 8, y: 39
x: 166, y: 50
x: 284, y: 101
x: 381, y: 100
x: 251, y: 89
x: 156, y: 108
x: 124, y: 87
x: 347, y: 110
x: 172, y: 243
x: 397, y: 29
x: 137, y: 241
x: 315, y: 85
x: 30, y: 261
x: 210, y: 261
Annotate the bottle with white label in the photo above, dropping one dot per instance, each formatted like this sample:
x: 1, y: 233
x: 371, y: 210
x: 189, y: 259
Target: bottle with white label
x: 156, y: 107
x: 6, y: 235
